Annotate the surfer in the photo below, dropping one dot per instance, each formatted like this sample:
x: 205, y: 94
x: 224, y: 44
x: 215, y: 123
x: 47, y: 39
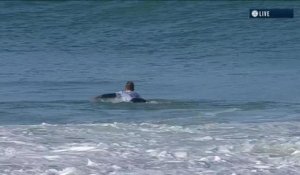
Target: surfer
x: 127, y: 95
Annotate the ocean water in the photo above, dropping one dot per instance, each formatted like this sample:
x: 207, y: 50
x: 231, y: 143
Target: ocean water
x: 223, y: 89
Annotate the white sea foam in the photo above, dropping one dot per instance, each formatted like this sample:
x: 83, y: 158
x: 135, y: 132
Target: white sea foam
x: 205, y: 138
x: 120, y: 148
x: 68, y: 171
x: 9, y: 152
x: 51, y: 157
x: 181, y: 154
x: 91, y: 163
x: 297, y: 152
x: 76, y: 148
x: 221, y: 111
x: 217, y: 159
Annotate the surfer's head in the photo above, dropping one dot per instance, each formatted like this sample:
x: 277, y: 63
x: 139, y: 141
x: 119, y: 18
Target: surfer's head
x: 129, y: 86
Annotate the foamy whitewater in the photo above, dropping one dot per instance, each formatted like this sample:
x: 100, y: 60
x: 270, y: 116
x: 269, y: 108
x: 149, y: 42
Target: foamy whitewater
x: 118, y: 148
x: 222, y: 89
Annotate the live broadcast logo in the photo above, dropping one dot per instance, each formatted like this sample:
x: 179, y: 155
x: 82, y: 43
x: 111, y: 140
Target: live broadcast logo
x: 271, y: 13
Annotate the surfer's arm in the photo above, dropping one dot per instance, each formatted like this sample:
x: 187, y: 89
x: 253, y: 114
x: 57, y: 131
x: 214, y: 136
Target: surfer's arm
x: 111, y: 95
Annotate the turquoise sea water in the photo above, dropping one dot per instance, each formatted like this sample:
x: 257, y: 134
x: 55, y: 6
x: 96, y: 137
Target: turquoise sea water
x: 223, y: 89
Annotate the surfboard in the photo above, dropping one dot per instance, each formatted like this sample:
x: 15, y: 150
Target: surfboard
x: 114, y: 95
